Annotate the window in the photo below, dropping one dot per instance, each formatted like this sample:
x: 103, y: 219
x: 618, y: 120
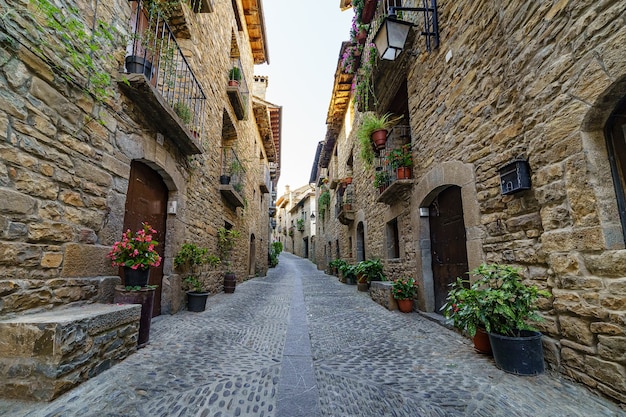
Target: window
x: 615, y: 133
x: 393, y: 240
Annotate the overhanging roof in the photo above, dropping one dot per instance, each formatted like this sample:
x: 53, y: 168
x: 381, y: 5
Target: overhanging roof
x: 255, y: 21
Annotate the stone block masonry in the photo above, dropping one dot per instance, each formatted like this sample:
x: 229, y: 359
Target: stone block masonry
x: 45, y: 354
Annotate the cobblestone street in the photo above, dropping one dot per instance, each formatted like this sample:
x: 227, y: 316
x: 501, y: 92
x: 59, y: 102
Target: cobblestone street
x: 249, y: 354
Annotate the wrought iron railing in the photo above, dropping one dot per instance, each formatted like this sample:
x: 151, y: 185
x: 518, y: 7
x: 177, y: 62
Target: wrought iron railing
x: 398, y: 136
x: 232, y: 167
x: 344, y: 199
x: 153, y: 51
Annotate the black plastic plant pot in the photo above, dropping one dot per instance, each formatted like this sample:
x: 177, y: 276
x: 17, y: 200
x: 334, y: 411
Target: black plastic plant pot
x: 224, y: 179
x: 138, y: 65
x: 196, y: 301
x: 518, y: 355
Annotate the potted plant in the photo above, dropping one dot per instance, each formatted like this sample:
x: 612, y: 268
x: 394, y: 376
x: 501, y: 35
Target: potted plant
x: 136, y: 254
x: 464, y: 308
x: 144, y: 296
x: 401, y: 160
x: 381, y: 180
x: 234, y: 77
x: 507, y: 305
x: 226, y: 239
x: 367, y: 271
x: 183, y: 112
x: 348, y: 272
x: 300, y: 225
x: 192, y: 258
x: 404, y: 290
x: 374, y: 128
x: 337, y: 266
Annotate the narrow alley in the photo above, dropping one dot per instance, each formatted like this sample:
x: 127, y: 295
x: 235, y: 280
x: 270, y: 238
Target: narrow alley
x: 299, y: 343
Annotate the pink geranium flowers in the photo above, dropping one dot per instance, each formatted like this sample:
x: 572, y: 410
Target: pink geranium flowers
x: 136, y: 250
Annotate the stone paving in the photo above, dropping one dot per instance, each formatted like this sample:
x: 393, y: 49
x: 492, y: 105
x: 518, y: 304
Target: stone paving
x: 248, y: 354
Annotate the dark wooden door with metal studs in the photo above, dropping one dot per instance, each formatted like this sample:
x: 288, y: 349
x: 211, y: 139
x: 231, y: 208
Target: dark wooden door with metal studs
x: 146, y: 201
x: 447, y: 239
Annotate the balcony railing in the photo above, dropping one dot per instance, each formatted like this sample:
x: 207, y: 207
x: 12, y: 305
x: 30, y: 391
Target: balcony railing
x: 344, y: 205
x: 154, y: 52
x: 232, y: 179
x: 264, y: 181
x: 398, y: 181
x: 237, y: 89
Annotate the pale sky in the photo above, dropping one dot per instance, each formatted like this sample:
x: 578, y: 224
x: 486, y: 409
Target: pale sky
x: 303, y: 39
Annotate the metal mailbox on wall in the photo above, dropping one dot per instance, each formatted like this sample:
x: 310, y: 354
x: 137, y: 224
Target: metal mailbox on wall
x: 514, y: 177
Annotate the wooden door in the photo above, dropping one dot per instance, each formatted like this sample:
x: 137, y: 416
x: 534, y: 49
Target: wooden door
x: 360, y: 242
x: 252, y: 260
x: 146, y: 202
x: 447, y: 238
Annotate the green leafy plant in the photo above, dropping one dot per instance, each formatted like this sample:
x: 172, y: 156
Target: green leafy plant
x: 183, y: 111
x: 400, y: 157
x: 381, y: 179
x: 404, y: 288
x: 323, y: 201
x: 370, y: 270
x: 136, y: 250
x: 234, y: 74
x: 275, y: 250
x: 300, y: 224
x: 226, y: 240
x: 191, y: 257
x: 498, y: 301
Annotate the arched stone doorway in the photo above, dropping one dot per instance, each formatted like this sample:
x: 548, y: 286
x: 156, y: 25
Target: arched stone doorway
x: 360, y: 242
x: 146, y: 202
x: 447, y: 242
x: 453, y: 181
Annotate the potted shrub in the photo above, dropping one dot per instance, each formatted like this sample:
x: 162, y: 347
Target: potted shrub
x: 337, y: 266
x: 348, y: 272
x: 404, y: 290
x: 234, y: 77
x: 374, y: 128
x: 381, y: 180
x: 367, y: 271
x: 464, y: 308
x: 192, y: 257
x: 226, y: 239
x: 507, y: 305
x: 300, y: 225
x: 401, y: 160
x: 136, y: 254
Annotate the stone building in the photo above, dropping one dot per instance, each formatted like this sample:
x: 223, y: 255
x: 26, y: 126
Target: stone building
x: 117, y: 113
x: 296, y: 221
x: 541, y: 85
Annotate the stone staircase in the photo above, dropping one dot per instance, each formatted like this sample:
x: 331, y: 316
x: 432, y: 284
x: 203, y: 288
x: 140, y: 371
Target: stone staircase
x: 46, y: 351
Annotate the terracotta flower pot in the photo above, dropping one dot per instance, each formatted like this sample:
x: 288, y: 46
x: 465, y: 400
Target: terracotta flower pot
x: 405, y: 306
x: 379, y: 137
x: 481, y: 342
x: 403, y: 173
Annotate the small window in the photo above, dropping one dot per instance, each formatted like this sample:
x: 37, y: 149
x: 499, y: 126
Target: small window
x: 393, y: 240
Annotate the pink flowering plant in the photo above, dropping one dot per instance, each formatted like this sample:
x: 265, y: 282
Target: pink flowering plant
x: 136, y: 250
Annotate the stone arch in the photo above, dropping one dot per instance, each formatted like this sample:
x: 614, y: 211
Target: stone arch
x: 427, y: 188
x: 594, y: 142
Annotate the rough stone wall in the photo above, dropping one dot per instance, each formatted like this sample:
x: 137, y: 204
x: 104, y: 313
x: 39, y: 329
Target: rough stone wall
x: 537, y: 80
x: 534, y: 79
x: 65, y: 159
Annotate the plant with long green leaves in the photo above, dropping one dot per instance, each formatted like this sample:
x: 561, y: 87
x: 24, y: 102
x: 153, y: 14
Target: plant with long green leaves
x: 498, y: 300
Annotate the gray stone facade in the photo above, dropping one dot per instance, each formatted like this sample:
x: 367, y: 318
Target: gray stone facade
x: 522, y: 79
x: 67, y: 148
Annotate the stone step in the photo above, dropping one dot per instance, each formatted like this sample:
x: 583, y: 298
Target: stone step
x: 45, y: 354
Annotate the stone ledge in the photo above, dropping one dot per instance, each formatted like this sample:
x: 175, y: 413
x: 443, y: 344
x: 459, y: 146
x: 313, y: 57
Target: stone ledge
x: 45, y: 354
x: 380, y: 291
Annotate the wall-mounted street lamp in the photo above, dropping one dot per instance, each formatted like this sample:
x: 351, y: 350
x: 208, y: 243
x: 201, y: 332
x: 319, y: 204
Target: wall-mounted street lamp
x: 392, y: 33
